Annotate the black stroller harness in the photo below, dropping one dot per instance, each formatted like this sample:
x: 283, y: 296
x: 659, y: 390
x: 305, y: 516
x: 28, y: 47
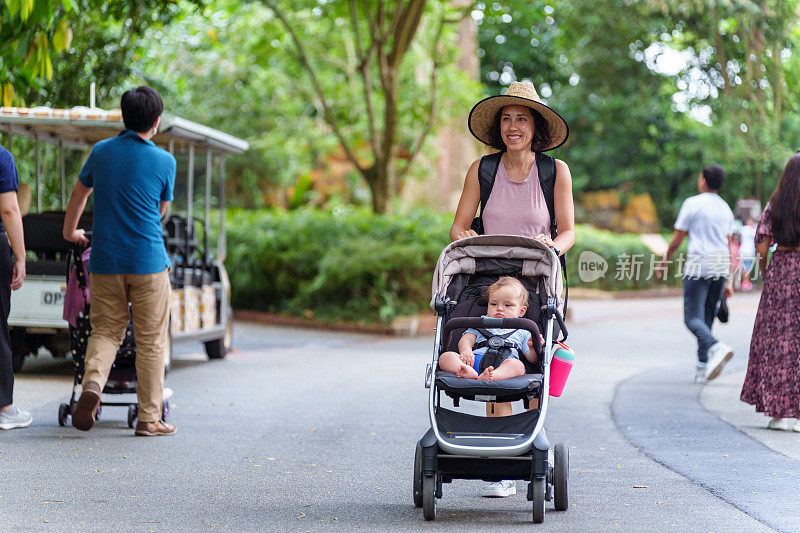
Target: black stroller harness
x: 499, y: 348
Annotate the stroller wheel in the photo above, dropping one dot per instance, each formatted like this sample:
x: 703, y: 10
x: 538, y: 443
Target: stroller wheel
x: 561, y: 476
x: 429, y: 497
x: 418, y: 476
x: 164, y: 410
x: 133, y: 412
x: 63, y: 413
x: 538, y: 499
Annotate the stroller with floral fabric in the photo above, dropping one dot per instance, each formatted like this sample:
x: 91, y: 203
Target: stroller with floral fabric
x: 464, y: 446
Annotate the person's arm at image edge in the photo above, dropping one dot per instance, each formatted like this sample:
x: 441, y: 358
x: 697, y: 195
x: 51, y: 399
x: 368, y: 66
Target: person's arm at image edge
x: 75, y: 207
x: 467, y: 205
x: 564, y: 208
x: 762, y: 251
x: 12, y: 220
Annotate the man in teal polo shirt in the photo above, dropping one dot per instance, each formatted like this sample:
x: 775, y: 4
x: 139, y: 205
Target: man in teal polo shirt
x: 132, y: 180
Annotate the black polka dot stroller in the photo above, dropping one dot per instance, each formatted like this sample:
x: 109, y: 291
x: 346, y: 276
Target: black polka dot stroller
x: 122, y: 378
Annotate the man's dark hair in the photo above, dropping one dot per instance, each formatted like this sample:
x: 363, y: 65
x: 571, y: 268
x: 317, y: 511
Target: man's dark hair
x: 541, y: 132
x: 714, y: 176
x: 784, y: 205
x: 141, y: 107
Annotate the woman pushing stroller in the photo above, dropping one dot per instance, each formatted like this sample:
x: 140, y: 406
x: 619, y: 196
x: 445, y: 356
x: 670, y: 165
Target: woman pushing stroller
x: 520, y: 190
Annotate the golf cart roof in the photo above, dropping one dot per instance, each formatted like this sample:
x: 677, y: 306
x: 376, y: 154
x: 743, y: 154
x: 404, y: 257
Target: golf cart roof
x: 82, y: 127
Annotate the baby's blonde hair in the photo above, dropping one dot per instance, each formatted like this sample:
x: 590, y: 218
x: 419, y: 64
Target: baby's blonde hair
x: 508, y: 281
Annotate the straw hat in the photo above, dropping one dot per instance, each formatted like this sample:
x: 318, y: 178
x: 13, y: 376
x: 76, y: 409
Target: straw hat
x: 518, y: 93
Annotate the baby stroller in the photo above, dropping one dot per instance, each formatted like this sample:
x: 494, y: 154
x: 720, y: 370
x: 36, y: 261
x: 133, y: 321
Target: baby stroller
x: 122, y: 378
x: 463, y: 446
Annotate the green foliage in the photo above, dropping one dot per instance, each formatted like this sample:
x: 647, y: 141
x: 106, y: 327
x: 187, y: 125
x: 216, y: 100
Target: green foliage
x: 33, y: 32
x: 636, y: 126
x: 344, y: 265
x: 350, y: 264
x: 234, y: 65
x: 107, y: 47
x: 630, y: 262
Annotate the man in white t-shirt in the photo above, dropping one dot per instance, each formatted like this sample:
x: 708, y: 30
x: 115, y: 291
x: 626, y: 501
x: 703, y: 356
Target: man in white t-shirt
x: 707, y: 220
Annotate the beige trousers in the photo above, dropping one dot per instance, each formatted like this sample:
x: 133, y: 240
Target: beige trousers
x: 148, y: 295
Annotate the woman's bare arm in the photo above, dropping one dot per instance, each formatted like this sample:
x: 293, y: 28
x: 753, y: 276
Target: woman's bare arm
x: 467, y: 205
x: 564, y: 207
x: 762, y: 250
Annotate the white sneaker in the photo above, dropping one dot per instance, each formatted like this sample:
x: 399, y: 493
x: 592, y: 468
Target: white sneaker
x: 796, y: 426
x: 14, y: 418
x: 700, y: 372
x: 719, y: 354
x: 499, y: 489
x: 780, y: 424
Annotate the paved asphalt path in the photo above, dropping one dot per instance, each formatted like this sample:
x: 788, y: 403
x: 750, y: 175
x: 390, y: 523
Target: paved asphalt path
x: 302, y: 430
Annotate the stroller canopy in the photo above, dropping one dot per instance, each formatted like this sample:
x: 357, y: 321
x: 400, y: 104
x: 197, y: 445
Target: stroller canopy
x: 459, y: 257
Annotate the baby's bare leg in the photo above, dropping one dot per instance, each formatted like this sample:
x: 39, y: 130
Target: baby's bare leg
x: 451, y: 362
x: 509, y: 368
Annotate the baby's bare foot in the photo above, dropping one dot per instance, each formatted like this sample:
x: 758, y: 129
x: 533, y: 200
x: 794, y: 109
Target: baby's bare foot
x: 466, y: 371
x: 488, y: 374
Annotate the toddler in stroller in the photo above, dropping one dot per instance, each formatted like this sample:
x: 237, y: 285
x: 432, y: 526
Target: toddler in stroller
x: 476, y: 358
x: 463, y: 446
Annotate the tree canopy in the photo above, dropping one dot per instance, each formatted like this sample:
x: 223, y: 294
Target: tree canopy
x: 652, y: 90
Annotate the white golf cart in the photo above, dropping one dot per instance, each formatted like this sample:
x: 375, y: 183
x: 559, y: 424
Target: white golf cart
x: 200, y: 307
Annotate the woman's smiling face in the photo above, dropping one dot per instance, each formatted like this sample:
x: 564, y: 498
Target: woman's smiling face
x: 516, y: 127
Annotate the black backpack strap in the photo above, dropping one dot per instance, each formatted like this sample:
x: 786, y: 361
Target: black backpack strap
x: 546, y: 166
x: 487, y: 170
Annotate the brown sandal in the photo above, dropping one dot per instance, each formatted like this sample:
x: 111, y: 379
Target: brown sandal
x: 155, y: 429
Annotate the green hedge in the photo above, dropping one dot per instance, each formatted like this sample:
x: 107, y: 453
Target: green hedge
x: 629, y: 261
x: 349, y: 264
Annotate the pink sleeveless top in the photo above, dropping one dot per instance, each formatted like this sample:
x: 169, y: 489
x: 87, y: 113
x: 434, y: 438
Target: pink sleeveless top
x: 516, y: 208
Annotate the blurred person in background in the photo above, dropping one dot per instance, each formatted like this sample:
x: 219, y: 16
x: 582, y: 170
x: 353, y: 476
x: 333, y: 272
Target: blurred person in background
x: 747, y: 252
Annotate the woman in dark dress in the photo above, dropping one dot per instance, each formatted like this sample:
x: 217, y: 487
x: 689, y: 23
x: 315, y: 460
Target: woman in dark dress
x: 772, y: 383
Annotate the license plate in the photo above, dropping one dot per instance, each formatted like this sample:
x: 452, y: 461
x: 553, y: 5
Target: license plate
x: 53, y: 298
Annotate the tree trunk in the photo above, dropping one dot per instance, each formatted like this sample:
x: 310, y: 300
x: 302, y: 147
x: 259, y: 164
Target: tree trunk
x: 377, y: 180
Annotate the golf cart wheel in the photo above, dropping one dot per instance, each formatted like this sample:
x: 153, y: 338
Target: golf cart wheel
x: 218, y: 348
x: 418, y: 476
x: 561, y: 476
x: 538, y: 499
x: 429, y: 497
x: 133, y: 412
x: 63, y: 414
x: 165, y: 410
